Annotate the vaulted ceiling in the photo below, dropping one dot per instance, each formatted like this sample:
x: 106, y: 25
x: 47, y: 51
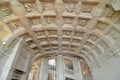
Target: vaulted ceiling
x: 87, y: 28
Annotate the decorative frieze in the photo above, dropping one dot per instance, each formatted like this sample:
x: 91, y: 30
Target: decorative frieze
x: 5, y: 9
x: 70, y: 8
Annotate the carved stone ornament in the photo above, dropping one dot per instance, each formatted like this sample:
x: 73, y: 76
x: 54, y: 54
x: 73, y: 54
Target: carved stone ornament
x: 86, y: 9
x: 83, y: 22
x: 48, y: 21
x: 14, y: 25
x: 6, y: 11
x: 70, y: 8
x: 28, y: 7
x: 48, y: 7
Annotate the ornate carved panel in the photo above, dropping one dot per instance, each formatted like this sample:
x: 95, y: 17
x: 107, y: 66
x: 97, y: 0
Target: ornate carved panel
x: 48, y: 21
x: 83, y: 22
x: 69, y: 8
x: 49, y: 9
x: 5, y: 9
x: 31, y: 10
x: 14, y: 25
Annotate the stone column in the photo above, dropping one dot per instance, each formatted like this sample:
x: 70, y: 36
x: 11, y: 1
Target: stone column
x: 44, y: 70
x: 60, y: 67
x: 77, y: 69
